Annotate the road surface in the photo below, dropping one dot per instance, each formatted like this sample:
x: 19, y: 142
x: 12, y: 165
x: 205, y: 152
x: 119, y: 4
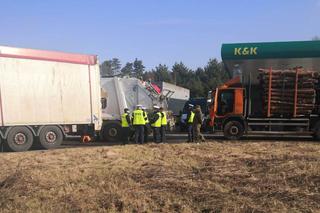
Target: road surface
x: 74, y: 142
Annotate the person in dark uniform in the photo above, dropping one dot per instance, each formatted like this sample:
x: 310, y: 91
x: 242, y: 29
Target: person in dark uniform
x: 189, y: 122
x: 138, y: 122
x: 125, y: 123
x: 156, y: 124
x: 147, y: 127
x: 197, y: 122
x: 164, y: 124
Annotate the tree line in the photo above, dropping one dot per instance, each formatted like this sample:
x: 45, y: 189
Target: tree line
x: 200, y: 81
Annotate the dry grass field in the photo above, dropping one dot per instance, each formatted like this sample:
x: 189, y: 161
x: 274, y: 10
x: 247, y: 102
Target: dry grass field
x: 247, y: 176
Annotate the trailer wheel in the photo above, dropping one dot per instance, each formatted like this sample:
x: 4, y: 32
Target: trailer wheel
x: 233, y: 130
x: 50, y: 137
x: 19, y: 139
x: 111, y: 132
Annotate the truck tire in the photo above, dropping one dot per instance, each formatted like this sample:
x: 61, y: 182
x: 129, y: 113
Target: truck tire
x: 50, y: 137
x: 233, y: 130
x: 19, y: 139
x: 111, y: 132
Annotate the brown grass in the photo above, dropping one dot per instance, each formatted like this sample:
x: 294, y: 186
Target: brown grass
x: 211, y: 177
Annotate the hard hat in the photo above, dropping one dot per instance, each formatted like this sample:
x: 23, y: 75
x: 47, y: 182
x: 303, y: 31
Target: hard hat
x: 190, y: 105
x: 156, y: 107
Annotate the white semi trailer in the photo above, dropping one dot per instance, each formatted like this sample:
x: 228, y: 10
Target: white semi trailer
x: 47, y: 95
x: 127, y: 93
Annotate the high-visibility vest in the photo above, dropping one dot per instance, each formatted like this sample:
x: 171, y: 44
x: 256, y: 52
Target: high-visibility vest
x: 190, y: 121
x: 124, y: 122
x: 157, y: 123
x: 164, y: 119
x: 146, y: 117
x: 138, y: 117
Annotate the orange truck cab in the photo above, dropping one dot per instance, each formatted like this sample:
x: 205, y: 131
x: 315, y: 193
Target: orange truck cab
x: 239, y: 105
x: 227, y: 111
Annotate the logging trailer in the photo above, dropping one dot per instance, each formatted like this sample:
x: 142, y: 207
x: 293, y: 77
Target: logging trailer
x: 274, y: 90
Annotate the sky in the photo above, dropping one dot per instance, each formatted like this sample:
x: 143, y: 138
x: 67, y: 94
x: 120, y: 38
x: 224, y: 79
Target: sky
x: 155, y: 31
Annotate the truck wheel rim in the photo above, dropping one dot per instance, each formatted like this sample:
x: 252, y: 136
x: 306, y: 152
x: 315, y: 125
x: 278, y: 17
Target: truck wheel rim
x: 113, y: 132
x: 20, y: 138
x: 51, y: 137
x: 234, y: 130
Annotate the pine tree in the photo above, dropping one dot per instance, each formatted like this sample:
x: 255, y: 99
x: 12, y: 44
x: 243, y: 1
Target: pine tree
x: 138, y: 68
x: 106, y: 69
x: 110, y: 67
x: 127, y: 70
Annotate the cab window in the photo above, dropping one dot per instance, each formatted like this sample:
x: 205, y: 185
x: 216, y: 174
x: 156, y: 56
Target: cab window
x: 226, y: 102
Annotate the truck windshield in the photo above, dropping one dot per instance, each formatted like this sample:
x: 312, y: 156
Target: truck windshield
x: 226, y: 102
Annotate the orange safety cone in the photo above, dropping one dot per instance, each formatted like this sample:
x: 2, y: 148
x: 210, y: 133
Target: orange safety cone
x: 86, y: 139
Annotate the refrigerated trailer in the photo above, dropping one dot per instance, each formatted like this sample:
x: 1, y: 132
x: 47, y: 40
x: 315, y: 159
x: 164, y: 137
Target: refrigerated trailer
x: 244, y: 106
x: 46, y: 96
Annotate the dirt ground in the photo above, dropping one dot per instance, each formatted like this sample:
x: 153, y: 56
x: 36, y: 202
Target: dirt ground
x: 217, y: 176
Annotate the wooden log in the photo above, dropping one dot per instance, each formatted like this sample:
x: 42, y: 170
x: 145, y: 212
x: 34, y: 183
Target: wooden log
x: 289, y: 109
x: 284, y: 72
x: 284, y: 85
x: 291, y: 75
x: 288, y: 91
x: 290, y: 106
x: 291, y: 80
x: 288, y: 72
x: 289, y: 83
x: 300, y: 101
x: 287, y: 78
x: 291, y: 96
x: 286, y: 103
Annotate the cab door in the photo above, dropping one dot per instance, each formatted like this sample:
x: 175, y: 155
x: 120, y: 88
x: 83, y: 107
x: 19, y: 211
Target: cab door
x: 225, y: 102
x: 230, y: 102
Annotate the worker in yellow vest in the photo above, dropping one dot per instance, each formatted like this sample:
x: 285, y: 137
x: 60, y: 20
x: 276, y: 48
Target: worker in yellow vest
x: 189, y: 122
x: 156, y: 124
x: 125, y: 124
x: 138, y: 122
x: 163, y: 125
x: 147, y: 127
